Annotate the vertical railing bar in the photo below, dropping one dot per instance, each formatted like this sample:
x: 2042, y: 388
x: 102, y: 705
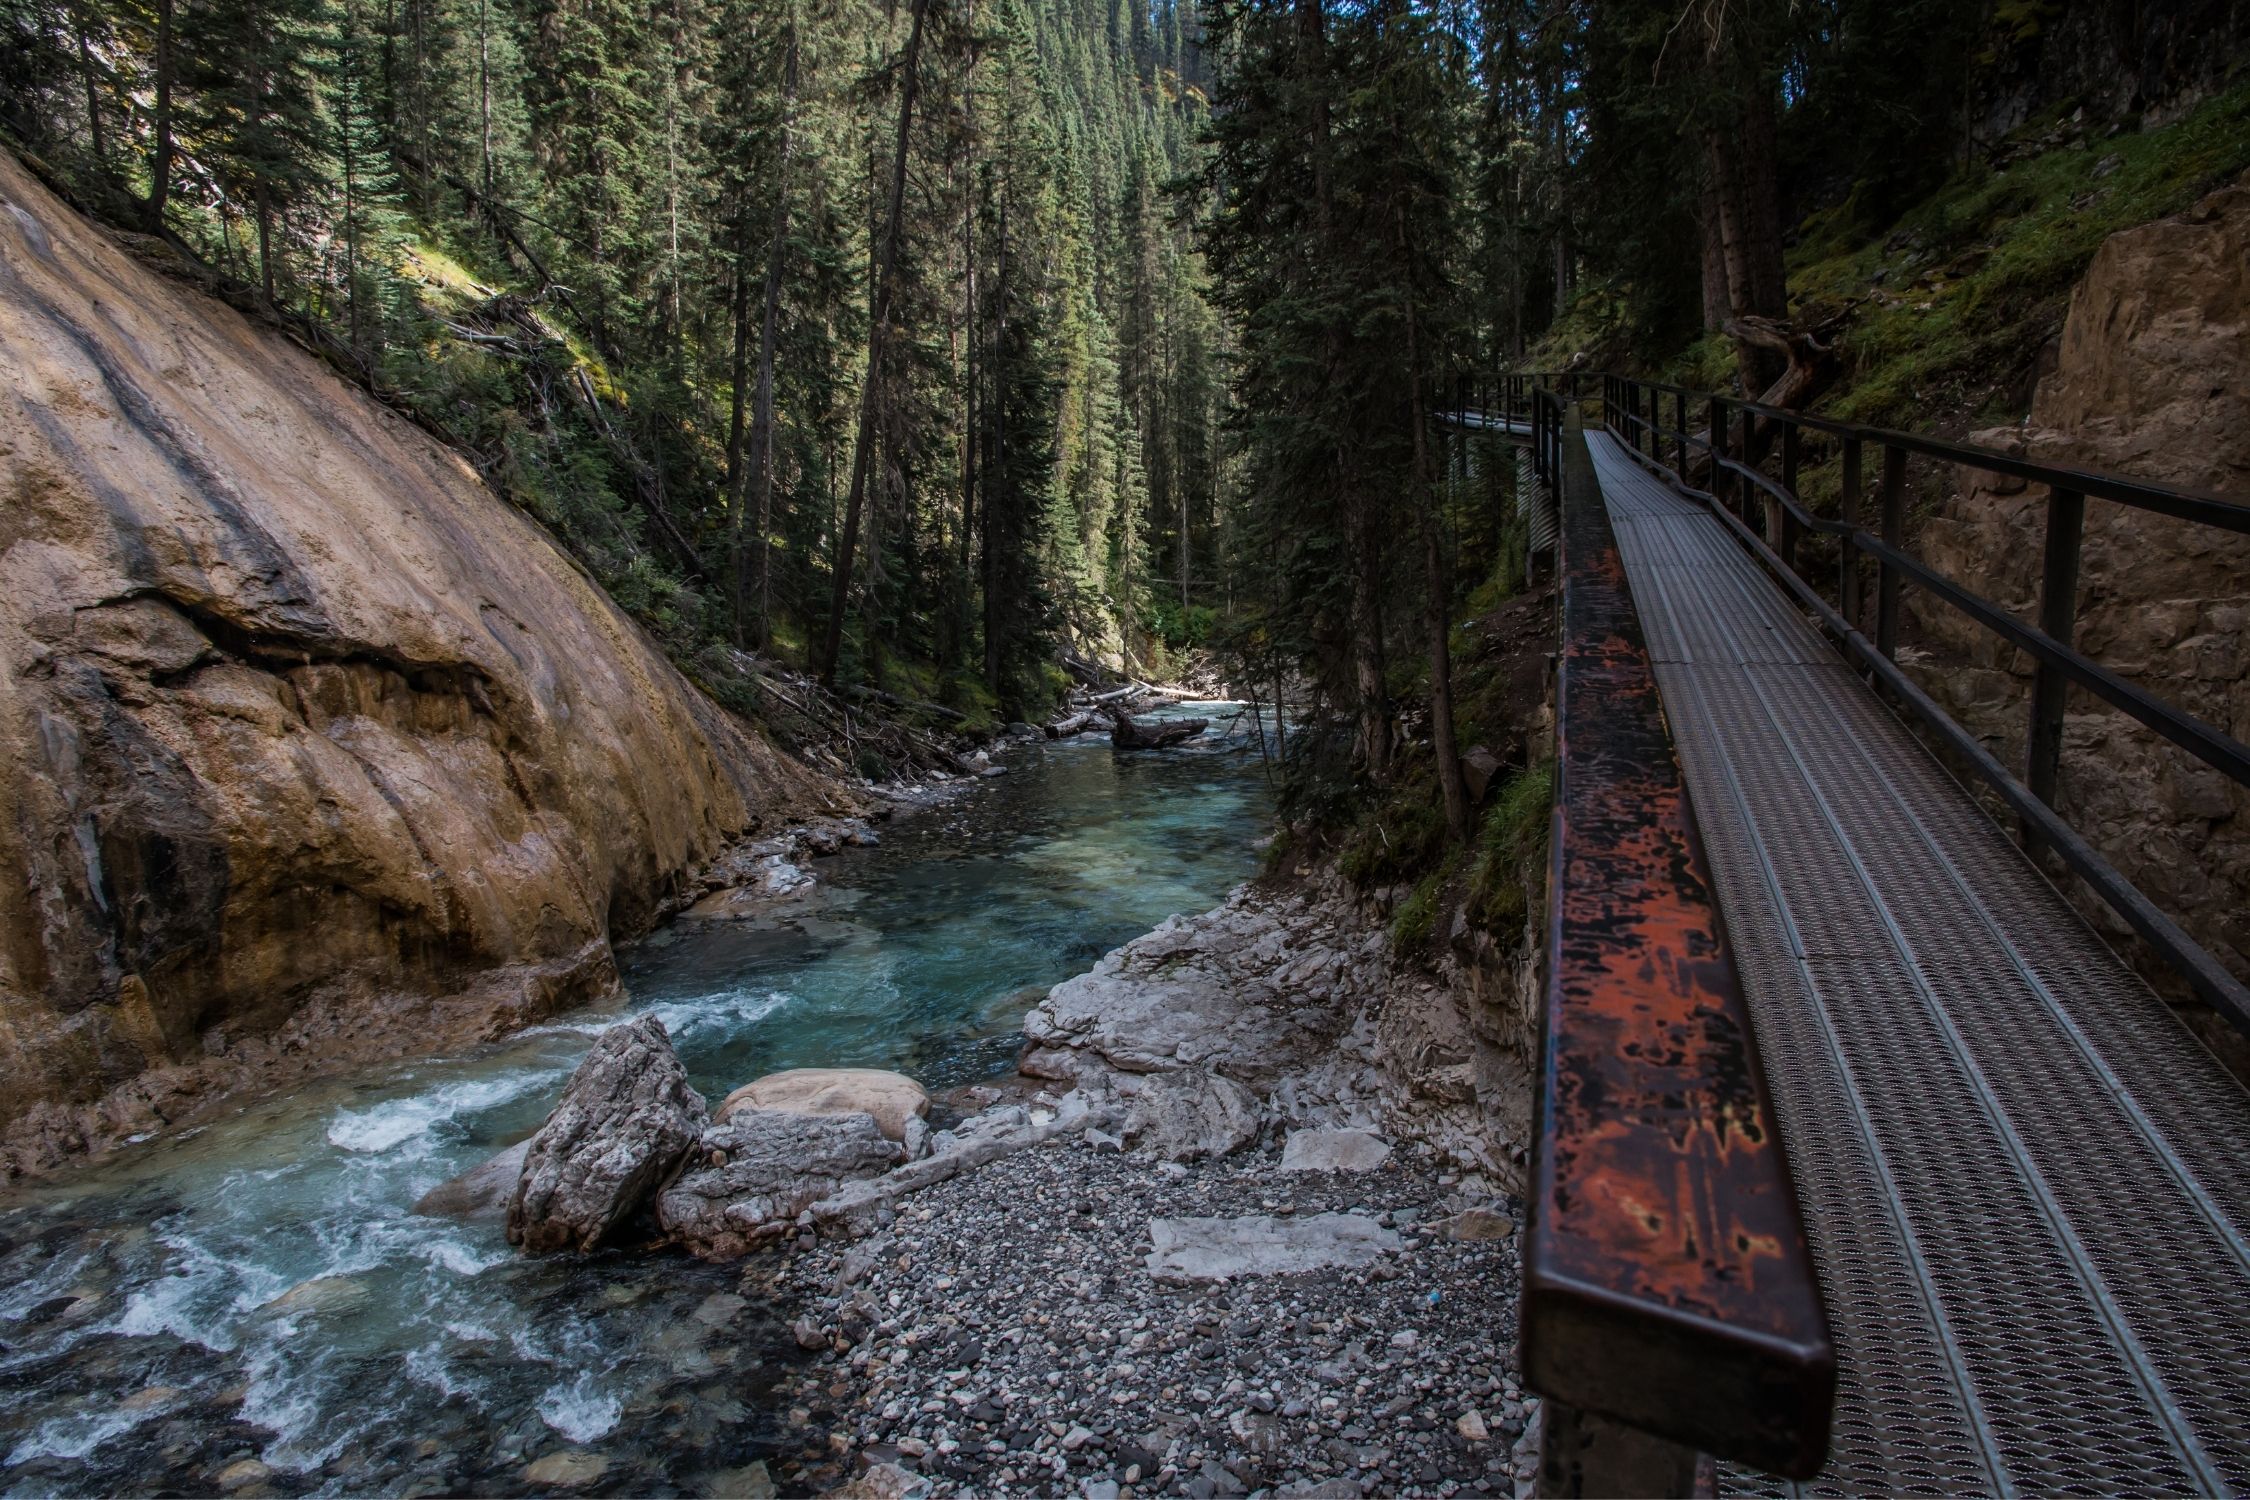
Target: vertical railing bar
x: 1847, y: 552
x: 2058, y: 619
x: 1894, y: 534
x: 1789, y: 528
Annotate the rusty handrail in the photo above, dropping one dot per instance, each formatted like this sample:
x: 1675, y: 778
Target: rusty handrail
x: 1667, y: 1280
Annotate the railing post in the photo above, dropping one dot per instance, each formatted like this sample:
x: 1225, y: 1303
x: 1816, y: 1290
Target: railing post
x: 1789, y: 527
x: 2058, y: 619
x: 1717, y: 421
x: 1747, y: 491
x: 1847, y: 552
x: 1894, y: 533
x: 1679, y: 421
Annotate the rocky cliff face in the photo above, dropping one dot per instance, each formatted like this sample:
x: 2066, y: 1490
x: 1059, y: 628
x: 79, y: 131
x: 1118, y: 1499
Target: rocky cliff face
x: 2153, y: 380
x: 315, y: 748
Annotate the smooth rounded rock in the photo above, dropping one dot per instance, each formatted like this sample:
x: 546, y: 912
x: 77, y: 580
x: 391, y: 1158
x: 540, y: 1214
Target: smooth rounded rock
x: 892, y: 1098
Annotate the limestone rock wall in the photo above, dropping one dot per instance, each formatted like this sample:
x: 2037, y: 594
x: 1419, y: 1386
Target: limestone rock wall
x: 2153, y: 380
x: 315, y: 747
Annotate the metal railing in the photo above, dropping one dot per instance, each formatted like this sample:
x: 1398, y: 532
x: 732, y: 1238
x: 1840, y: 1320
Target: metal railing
x: 1731, y: 443
x: 1652, y: 1337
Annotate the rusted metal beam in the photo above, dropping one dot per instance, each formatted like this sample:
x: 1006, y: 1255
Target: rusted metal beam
x: 1667, y: 1281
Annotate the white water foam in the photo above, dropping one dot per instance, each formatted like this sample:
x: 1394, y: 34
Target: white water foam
x: 78, y: 1434
x: 418, y: 1117
x: 722, y: 1009
x: 580, y: 1410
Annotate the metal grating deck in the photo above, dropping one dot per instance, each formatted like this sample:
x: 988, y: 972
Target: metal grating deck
x: 2027, y: 1186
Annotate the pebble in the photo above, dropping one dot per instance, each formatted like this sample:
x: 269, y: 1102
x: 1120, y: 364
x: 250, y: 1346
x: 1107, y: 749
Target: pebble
x: 1022, y: 1346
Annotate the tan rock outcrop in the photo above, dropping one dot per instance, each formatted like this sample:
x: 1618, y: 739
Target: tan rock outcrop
x: 892, y: 1098
x: 316, y: 748
x: 2153, y: 380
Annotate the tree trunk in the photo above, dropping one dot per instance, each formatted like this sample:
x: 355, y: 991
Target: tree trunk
x: 737, y: 479
x: 769, y: 333
x: 1366, y: 614
x: 856, y: 497
x: 996, y: 482
x: 265, y: 239
x: 1437, y: 618
x: 160, y: 160
x: 1760, y: 178
x: 1129, y: 733
x: 970, y: 437
x: 1717, y: 306
x: 93, y: 94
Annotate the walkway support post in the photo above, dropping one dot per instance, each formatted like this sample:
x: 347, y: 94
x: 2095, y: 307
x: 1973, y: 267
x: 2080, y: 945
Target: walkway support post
x: 2058, y: 619
x: 1894, y: 535
x: 1716, y: 419
x: 1790, y: 531
x: 1847, y: 553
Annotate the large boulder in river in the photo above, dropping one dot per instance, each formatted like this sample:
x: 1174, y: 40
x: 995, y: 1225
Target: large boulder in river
x: 318, y: 750
x: 892, y: 1098
x: 626, y: 1118
x: 753, y: 1175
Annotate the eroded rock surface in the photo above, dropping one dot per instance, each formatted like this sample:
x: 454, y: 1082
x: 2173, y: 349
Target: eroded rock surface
x: 2152, y: 380
x: 756, y: 1172
x: 626, y: 1119
x: 1209, y: 1249
x: 1191, y: 1114
x: 319, y: 750
x: 1294, y: 998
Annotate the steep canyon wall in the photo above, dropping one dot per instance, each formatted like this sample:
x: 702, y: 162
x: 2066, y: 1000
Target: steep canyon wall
x: 316, y: 749
x: 2152, y: 379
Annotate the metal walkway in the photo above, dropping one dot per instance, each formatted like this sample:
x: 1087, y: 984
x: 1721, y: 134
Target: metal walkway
x: 2027, y: 1187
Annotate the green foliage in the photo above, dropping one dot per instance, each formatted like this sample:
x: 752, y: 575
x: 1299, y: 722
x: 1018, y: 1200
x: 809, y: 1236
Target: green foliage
x: 1511, y: 843
x: 1398, y: 839
x: 1415, y: 921
x: 569, y: 237
x: 1971, y: 281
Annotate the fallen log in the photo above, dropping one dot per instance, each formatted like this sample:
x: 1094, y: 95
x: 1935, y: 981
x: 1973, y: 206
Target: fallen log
x: 918, y: 705
x: 1064, y: 728
x: 1129, y: 733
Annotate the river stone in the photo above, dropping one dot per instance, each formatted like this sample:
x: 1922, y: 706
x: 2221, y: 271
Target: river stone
x: 321, y: 1294
x: 754, y: 1174
x: 892, y: 1098
x: 1261, y: 1245
x: 1183, y: 1116
x: 1479, y: 768
x: 626, y: 1118
x: 1334, y: 1151
x: 567, y: 1470
x: 1472, y: 1224
x: 482, y: 1192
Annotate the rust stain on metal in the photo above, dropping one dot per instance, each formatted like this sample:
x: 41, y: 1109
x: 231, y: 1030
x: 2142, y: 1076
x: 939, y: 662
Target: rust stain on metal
x: 1667, y: 1280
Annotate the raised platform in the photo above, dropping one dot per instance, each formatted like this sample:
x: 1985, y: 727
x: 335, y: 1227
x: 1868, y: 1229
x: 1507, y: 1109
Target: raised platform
x: 2027, y: 1187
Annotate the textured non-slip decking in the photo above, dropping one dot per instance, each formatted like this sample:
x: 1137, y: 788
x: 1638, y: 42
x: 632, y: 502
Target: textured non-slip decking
x: 2027, y: 1187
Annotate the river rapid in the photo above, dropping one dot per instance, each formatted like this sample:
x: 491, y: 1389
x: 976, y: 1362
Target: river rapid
x: 253, y: 1304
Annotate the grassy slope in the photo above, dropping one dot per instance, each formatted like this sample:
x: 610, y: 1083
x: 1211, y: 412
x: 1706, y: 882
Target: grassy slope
x: 1958, y: 297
